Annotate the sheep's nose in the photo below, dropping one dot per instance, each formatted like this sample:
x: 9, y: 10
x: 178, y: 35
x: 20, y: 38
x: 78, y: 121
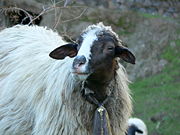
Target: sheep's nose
x: 79, y: 61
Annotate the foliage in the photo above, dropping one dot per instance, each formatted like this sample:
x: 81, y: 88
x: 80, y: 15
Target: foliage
x: 157, y: 98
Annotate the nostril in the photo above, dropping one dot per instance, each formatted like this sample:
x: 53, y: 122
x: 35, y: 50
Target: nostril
x: 79, y: 61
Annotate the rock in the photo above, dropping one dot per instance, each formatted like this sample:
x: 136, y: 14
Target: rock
x: 123, y: 8
x: 167, y: 14
x: 171, y: 10
x: 139, y: 1
x: 142, y: 10
x: 156, y: 3
x: 152, y: 10
x: 155, y: 133
x: 158, y: 117
x: 172, y: 44
x: 148, y: 41
x: 160, y: 65
x: 147, y: 3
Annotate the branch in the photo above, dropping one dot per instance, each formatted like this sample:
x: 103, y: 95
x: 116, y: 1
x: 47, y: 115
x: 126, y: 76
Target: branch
x: 24, y: 19
x: 75, y: 17
x: 66, y: 2
x: 58, y: 20
x: 45, y: 10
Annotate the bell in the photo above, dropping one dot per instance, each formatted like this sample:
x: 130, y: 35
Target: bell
x: 101, y: 124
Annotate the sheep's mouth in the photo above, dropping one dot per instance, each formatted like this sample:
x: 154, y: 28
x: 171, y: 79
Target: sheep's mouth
x: 80, y: 73
x: 81, y: 76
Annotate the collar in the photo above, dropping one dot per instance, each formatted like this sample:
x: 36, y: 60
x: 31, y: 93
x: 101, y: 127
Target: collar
x: 101, y: 122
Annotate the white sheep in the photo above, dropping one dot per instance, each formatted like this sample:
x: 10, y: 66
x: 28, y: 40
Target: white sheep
x: 43, y: 96
x: 136, y: 127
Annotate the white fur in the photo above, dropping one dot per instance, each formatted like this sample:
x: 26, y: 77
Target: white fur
x: 32, y: 83
x: 139, y: 124
x: 88, y: 39
x: 39, y: 96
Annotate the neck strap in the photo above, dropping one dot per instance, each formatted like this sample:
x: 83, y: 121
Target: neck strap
x: 89, y: 95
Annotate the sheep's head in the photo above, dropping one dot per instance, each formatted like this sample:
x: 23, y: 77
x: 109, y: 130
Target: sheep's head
x: 95, y: 53
x: 134, y: 130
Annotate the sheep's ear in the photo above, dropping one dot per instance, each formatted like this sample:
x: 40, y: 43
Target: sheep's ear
x: 125, y: 54
x: 139, y: 131
x: 63, y: 51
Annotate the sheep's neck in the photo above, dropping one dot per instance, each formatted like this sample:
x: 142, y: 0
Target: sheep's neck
x: 99, y: 87
x: 99, y: 81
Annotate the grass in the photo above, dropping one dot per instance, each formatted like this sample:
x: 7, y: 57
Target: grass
x: 154, y: 16
x: 158, y: 96
x: 147, y: 15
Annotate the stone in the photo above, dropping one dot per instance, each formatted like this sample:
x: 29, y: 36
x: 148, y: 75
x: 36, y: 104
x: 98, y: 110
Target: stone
x: 172, y: 44
x: 147, y: 3
x: 152, y: 10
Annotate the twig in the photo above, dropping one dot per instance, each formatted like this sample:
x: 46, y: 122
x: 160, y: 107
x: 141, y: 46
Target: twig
x: 158, y: 124
x: 55, y: 11
x: 66, y: 2
x: 45, y: 10
x: 24, y: 19
x: 68, y: 37
x: 58, y: 20
x: 67, y: 7
x: 75, y: 17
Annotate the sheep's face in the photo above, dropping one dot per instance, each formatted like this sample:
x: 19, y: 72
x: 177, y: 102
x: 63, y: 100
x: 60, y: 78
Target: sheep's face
x: 94, y: 53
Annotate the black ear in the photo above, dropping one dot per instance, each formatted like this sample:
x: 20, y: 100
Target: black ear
x: 125, y: 54
x: 63, y: 51
x: 139, y: 131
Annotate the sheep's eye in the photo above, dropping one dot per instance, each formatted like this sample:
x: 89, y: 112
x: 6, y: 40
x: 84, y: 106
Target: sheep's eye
x: 110, y: 48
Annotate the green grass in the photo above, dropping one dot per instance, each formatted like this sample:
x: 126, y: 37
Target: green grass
x: 150, y: 16
x: 147, y: 15
x: 159, y: 95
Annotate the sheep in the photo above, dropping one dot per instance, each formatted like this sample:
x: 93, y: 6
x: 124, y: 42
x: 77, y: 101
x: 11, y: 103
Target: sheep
x: 136, y: 127
x: 42, y: 76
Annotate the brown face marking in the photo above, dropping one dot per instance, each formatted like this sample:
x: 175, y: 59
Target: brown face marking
x: 102, y: 62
